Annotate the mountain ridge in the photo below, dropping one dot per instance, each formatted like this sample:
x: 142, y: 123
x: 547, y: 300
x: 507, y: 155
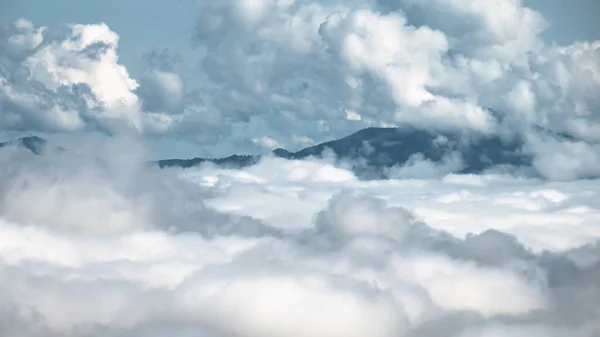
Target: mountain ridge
x: 372, y: 152
x: 34, y: 144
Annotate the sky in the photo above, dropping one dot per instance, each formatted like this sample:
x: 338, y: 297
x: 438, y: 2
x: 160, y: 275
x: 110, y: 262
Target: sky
x: 245, y: 87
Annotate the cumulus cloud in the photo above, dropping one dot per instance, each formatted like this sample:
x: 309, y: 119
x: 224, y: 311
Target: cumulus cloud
x: 162, y: 91
x: 318, y: 68
x: 68, y: 79
x: 58, y: 79
x: 432, y: 64
x: 310, y: 251
x: 466, y: 41
x: 564, y: 160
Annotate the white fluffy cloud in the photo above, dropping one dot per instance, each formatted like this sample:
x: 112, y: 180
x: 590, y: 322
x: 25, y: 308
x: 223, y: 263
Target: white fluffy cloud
x: 458, y: 204
x: 329, y: 61
x: 309, y: 251
x: 68, y: 78
x: 64, y: 78
x: 437, y: 69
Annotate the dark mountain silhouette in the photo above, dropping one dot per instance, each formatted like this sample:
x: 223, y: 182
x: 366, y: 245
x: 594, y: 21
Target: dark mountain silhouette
x: 33, y: 143
x: 371, y: 152
x: 233, y: 161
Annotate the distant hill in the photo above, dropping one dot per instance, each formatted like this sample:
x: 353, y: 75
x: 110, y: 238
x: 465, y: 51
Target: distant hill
x: 233, y: 161
x: 372, y: 151
x: 34, y: 144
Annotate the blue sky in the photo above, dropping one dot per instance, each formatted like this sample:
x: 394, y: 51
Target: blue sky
x: 570, y: 20
x: 141, y: 24
x: 145, y: 25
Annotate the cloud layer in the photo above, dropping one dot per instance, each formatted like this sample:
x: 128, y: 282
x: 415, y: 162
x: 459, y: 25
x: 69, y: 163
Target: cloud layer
x: 94, y: 246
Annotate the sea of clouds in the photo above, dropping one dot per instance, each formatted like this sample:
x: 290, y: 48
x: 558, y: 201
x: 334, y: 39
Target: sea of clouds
x: 94, y: 241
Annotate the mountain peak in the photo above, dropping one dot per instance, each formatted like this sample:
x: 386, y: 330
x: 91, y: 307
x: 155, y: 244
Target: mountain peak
x: 34, y: 144
x: 282, y: 153
x: 373, y: 151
